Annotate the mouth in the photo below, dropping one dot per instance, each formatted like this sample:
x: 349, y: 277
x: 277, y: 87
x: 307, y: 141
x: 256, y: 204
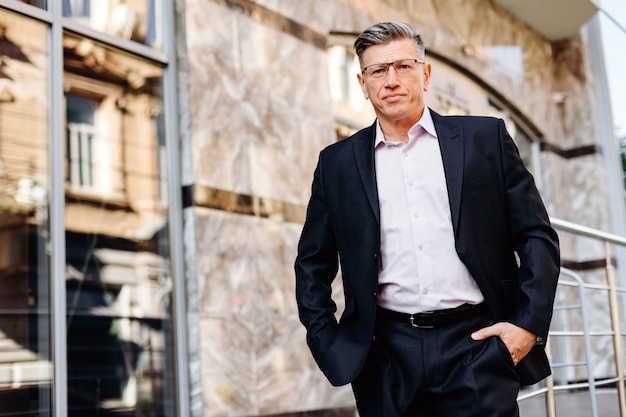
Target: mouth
x: 393, y: 97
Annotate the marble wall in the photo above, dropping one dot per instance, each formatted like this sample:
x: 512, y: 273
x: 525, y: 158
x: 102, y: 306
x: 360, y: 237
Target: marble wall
x: 255, y: 110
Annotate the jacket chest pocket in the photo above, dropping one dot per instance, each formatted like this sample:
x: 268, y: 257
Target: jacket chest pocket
x: 481, y: 183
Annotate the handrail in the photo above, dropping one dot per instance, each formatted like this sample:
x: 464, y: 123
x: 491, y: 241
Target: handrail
x: 612, y: 288
x: 578, y: 229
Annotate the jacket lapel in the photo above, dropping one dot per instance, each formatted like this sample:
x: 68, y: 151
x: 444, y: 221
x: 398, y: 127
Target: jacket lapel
x: 364, y: 156
x: 451, y: 144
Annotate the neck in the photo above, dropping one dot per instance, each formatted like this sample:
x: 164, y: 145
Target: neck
x: 398, y: 130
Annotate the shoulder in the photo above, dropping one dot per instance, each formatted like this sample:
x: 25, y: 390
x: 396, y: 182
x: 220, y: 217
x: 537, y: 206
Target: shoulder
x: 364, y: 136
x: 466, y: 121
x: 471, y: 127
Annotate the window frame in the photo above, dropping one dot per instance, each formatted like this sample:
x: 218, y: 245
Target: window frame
x: 52, y: 15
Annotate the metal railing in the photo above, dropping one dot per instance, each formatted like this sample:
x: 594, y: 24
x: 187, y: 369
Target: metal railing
x: 571, y: 279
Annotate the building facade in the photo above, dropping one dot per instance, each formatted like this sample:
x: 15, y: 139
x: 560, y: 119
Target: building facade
x: 155, y: 164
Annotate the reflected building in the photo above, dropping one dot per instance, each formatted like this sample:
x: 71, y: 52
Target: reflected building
x: 117, y: 292
x: 155, y: 164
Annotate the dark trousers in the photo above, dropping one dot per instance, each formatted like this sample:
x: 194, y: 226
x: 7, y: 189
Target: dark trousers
x: 440, y: 372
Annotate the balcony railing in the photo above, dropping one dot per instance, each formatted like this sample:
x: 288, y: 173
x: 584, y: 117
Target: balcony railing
x: 570, y: 279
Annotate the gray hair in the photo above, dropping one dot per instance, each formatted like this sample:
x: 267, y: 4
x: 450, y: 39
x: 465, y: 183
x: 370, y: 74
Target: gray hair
x: 382, y: 33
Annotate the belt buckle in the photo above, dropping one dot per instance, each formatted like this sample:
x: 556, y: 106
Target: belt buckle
x: 417, y: 325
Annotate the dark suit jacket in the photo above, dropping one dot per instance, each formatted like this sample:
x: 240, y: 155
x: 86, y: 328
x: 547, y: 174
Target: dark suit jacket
x: 496, y: 213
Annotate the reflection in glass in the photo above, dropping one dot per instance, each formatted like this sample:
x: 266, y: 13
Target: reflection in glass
x: 119, y: 323
x: 37, y: 3
x: 128, y: 19
x: 81, y: 136
x: 25, y: 368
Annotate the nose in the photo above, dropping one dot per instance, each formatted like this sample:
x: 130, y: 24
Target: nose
x: 391, y: 77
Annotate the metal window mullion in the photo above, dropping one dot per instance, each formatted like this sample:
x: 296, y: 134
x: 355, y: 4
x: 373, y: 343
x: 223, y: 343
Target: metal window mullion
x: 73, y: 152
x: 90, y: 139
x: 57, y: 215
x: 27, y: 10
x: 126, y: 45
x: 175, y: 208
x: 84, y: 156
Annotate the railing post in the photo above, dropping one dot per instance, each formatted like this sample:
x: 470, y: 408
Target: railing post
x: 593, y: 398
x: 615, y: 324
x: 550, y: 401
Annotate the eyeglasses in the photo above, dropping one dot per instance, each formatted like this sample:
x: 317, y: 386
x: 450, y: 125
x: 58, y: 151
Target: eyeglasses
x: 402, y: 67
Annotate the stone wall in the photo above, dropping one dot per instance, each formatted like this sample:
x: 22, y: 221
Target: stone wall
x: 255, y: 112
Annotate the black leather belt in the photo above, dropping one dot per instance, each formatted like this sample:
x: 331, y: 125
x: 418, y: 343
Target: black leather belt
x: 435, y: 318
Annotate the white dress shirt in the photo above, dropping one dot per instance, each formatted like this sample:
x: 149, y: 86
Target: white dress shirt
x: 420, y: 269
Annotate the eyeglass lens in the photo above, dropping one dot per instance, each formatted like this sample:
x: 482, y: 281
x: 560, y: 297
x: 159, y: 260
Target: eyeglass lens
x: 402, y: 67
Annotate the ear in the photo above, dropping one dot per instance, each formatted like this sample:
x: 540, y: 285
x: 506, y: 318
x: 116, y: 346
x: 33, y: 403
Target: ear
x: 426, y: 76
x: 359, y: 76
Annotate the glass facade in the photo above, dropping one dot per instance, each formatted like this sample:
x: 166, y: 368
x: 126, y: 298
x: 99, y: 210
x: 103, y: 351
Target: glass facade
x: 117, y: 246
x: 25, y: 361
x: 37, y: 3
x: 136, y: 20
x: 118, y: 310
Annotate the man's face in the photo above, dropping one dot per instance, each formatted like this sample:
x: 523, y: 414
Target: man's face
x: 397, y: 99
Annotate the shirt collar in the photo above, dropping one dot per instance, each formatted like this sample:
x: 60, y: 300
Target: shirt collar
x: 425, y: 122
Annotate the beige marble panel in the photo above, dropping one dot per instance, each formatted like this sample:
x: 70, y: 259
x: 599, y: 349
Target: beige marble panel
x: 260, y: 105
x: 194, y: 347
x: 254, y: 357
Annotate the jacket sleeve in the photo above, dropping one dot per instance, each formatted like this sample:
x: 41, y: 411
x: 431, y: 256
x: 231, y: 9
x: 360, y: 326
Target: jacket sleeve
x: 534, y: 241
x: 316, y: 267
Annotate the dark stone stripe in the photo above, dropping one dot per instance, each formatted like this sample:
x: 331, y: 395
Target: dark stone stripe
x: 277, y: 21
x: 229, y: 201
x: 586, y: 265
x: 572, y: 152
x: 187, y: 196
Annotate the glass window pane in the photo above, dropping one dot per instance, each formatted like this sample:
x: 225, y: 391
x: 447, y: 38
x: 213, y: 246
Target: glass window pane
x: 37, y: 3
x: 119, y: 319
x: 136, y: 20
x: 25, y: 368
